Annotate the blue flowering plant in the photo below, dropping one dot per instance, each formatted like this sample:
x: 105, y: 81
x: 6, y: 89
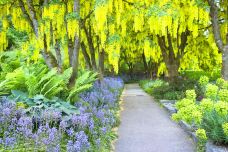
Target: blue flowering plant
x: 23, y: 128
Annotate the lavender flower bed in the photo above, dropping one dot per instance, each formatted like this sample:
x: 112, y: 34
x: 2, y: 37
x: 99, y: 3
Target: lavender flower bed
x: 48, y: 130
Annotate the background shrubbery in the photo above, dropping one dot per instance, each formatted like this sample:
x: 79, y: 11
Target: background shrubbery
x: 161, y: 89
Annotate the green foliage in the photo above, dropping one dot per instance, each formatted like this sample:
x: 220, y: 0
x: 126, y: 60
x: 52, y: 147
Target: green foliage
x: 150, y: 85
x: 173, y: 95
x: 72, y: 16
x: 84, y: 82
x: 211, y: 91
x: 206, y: 105
x: 40, y: 102
x: 221, y: 83
x: 203, y: 81
x: 171, y: 91
x: 13, y: 80
x: 191, y: 94
x: 195, y: 75
x: 37, y: 79
x: 9, y: 61
x: 210, y: 114
x: 212, y: 122
x: 223, y: 95
x: 16, y: 38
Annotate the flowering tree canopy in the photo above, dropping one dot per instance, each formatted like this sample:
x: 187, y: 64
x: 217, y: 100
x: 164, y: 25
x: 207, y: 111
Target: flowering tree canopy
x: 173, y: 34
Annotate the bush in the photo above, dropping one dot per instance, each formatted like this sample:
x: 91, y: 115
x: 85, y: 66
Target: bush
x: 37, y: 79
x: 210, y: 114
x: 174, y: 95
x: 212, y: 122
x: 171, y: 91
x: 195, y: 75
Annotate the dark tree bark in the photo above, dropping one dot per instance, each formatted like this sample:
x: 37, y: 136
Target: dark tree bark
x: 70, y: 51
x: 86, y: 56
x: 145, y: 64
x: 74, y: 63
x: 223, y: 48
x: 172, y: 61
x: 101, y: 63
x: 74, y: 59
x: 88, y: 33
x: 33, y: 17
x: 58, y: 56
x: 48, y: 57
x: 69, y: 41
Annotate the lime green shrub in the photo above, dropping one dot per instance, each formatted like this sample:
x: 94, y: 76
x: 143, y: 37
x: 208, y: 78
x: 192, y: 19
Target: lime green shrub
x: 225, y: 129
x: 203, y: 81
x: 201, y: 134
x: 210, y: 114
x: 191, y: 94
x: 206, y: 105
x: 223, y: 95
x: 211, y: 91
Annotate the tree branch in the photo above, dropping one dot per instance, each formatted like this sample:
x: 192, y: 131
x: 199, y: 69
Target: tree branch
x: 22, y: 6
x: 86, y: 55
x: 215, y: 25
x: 33, y: 17
x: 130, y: 3
x: 184, y: 39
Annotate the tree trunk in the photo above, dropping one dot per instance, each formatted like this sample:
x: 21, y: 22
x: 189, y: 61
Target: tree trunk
x: 33, y: 17
x: 48, y: 56
x: 74, y: 59
x: 223, y: 48
x: 91, y: 46
x: 145, y: 65
x: 101, y: 63
x: 58, y: 56
x: 225, y: 63
x: 173, y: 62
x: 86, y: 56
x: 75, y: 52
x: 173, y: 68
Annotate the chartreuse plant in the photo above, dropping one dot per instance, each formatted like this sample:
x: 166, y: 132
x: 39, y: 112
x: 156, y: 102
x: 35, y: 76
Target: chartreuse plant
x: 201, y: 135
x: 223, y: 95
x: 225, y: 128
x: 211, y: 91
x: 210, y: 114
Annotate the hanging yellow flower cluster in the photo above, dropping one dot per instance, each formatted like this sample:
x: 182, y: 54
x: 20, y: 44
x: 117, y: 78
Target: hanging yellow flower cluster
x: 53, y: 16
x: 138, y: 22
x: 3, y: 27
x: 114, y: 55
x: 3, y: 38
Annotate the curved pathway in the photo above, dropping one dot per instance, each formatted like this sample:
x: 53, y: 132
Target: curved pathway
x: 146, y: 127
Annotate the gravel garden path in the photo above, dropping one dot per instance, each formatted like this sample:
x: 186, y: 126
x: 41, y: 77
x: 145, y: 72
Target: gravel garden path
x: 146, y: 126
